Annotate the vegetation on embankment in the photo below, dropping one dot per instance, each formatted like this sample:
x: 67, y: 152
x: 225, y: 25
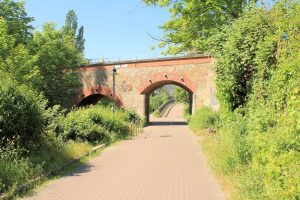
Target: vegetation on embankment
x: 46, y: 139
x: 204, y: 118
x: 256, y: 146
x: 256, y: 53
x: 37, y: 135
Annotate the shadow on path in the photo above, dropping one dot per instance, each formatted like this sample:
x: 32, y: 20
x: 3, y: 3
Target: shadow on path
x: 79, y: 169
x: 167, y: 123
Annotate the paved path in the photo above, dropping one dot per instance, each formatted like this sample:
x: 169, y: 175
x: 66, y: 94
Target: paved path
x: 163, y: 163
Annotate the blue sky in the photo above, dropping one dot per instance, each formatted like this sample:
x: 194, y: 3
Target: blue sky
x: 114, y: 29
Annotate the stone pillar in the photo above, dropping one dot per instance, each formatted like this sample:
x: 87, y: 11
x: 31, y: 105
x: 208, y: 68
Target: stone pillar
x: 139, y: 104
x: 146, y: 106
x: 194, y: 106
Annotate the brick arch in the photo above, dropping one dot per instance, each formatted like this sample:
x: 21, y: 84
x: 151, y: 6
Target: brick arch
x: 161, y: 79
x: 98, y: 89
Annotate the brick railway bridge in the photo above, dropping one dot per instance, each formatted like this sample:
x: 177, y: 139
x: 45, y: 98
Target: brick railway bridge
x: 135, y: 80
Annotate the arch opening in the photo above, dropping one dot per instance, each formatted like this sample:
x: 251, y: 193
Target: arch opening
x: 93, y: 94
x: 94, y: 99
x: 153, y: 96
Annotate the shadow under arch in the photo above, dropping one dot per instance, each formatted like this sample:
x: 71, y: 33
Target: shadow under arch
x: 92, y: 94
x: 160, y: 80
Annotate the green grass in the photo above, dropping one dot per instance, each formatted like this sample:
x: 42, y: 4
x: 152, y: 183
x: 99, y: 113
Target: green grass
x: 156, y: 113
x: 204, y: 118
x: 186, y: 112
x: 208, y: 144
x: 82, y: 150
x: 215, y: 147
x: 18, y: 169
x: 50, y: 156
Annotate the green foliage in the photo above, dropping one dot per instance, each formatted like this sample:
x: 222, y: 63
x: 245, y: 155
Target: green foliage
x: 52, y: 154
x: 204, y: 118
x: 131, y: 115
x: 96, y: 124
x: 18, y: 22
x: 71, y: 23
x: 70, y: 28
x: 181, y: 95
x: 237, y: 56
x: 257, y: 65
x: 30, y: 129
x: 186, y: 112
x: 194, y: 22
x: 80, y: 126
x: 15, y: 169
x: 15, y: 59
x: 106, y: 102
x: 21, y: 113
x: 55, y: 51
x: 156, y: 113
x: 80, y: 40
x: 258, y: 86
x: 157, y: 98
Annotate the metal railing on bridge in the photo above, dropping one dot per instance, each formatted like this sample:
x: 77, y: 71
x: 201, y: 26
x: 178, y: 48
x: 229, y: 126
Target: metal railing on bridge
x: 162, y: 109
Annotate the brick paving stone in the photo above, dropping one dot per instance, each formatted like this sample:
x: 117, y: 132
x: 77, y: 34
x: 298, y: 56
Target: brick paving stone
x: 163, y: 163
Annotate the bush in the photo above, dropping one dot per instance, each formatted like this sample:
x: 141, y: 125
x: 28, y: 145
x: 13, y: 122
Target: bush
x: 131, y: 115
x: 204, y: 118
x: 15, y: 169
x: 257, y: 143
x: 78, y: 125
x: 21, y: 112
x: 106, y: 102
x: 96, y: 124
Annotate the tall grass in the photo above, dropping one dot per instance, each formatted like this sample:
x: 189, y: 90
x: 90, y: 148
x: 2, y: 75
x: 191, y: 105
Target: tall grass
x: 64, y: 138
x: 18, y: 166
x: 204, y: 118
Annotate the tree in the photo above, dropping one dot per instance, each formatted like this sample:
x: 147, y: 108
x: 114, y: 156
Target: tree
x: 80, y: 40
x: 21, y: 112
x: 181, y: 95
x: 71, y: 23
x: 18, y: 22
x: 55, y: 51
x: 193, y: 22
x: 71, y: 26
x: 16, y: 60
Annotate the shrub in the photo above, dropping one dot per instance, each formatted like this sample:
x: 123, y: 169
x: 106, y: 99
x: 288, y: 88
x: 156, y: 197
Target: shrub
x: 96, y: 124
x: 204, y: 118
x: 14, y: 168
x: 106, y: 102
x: 131, y: 115
x: 78, y: 125
x: 21, y: 112
x: 257, y: 143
